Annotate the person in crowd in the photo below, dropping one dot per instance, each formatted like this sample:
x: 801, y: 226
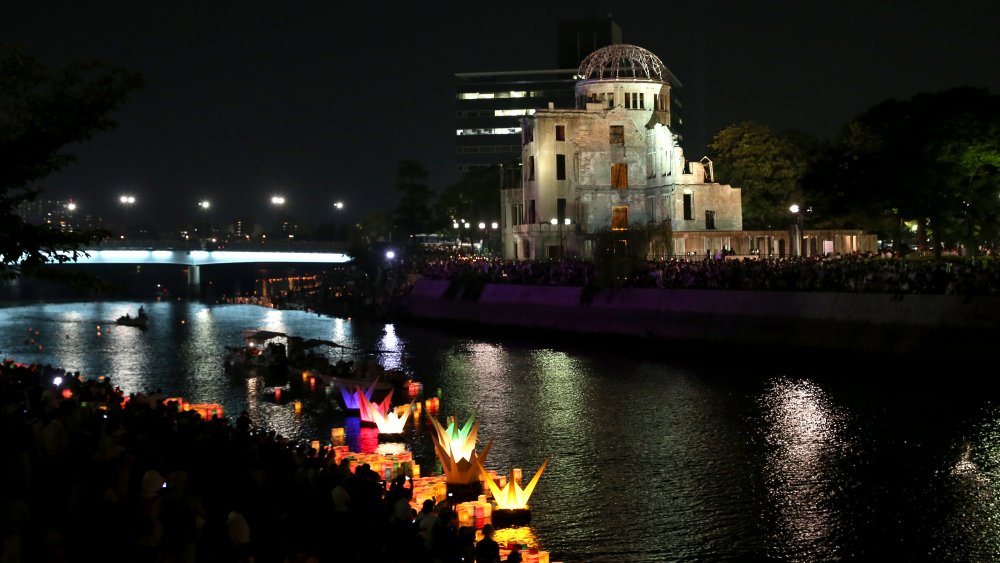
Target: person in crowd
x: 487, y: 549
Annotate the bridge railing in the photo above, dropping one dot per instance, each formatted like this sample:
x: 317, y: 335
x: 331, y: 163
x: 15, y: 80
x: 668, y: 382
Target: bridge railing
x: 156, y: 244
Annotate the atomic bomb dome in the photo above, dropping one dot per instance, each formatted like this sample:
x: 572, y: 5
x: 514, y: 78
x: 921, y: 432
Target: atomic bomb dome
x: 622, y: 62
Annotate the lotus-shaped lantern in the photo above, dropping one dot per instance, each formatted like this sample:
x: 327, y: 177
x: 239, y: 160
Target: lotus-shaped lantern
x: 390, y: 422
x: 512, y: 496
x: 351, y: 397
x: 456, y: 448
x: 382, y: 407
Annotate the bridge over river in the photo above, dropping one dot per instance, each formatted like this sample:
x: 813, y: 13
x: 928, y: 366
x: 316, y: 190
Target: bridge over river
x: 194, y: 256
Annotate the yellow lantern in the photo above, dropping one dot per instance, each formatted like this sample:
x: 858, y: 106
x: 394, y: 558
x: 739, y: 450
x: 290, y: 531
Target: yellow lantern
x: 512, y: 496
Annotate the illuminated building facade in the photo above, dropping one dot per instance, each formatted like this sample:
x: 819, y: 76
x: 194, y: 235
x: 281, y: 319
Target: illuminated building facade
x: 611, y: 163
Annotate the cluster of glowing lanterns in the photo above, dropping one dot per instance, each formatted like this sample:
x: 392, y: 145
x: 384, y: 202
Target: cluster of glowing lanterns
x: 388, y: 466
x: 207, y: 411
x: 488, y: 498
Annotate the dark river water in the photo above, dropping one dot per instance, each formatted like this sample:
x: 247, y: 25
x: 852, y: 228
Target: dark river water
x: 656, y: 455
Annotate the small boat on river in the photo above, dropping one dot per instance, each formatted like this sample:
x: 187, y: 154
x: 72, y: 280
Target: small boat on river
x: 296, y: 358
x: 140, y: 321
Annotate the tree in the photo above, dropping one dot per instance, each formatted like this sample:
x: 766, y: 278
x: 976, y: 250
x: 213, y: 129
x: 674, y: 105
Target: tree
x: 766, y: 166
x: 413, y: 214
x: 932, y: 160
x: 41, y: 113
x: 475, y: 197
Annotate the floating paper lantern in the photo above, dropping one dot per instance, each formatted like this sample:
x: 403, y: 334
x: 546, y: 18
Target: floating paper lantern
x: 178, y: 400
x: 337, y: 436
x: 432, y: 405
x: 368, y: 413
x: 391, y: 422
x: 413, y: 388
x: 205, y: 410
x: 456, y: 448
x: 351, y: 397
x: 512, y: 496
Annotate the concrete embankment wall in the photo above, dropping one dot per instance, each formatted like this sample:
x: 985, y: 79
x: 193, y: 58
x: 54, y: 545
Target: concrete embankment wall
x: 910, y: 324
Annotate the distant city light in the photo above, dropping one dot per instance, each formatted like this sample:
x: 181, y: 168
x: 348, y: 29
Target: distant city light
x: 390, y: 254
x: 278, y: 200
x: 204, y: 204
x: 339, y: 205
x: 482, y: 225
x: 71, y: 206
x: 493, y: 225
x: 128, y: 199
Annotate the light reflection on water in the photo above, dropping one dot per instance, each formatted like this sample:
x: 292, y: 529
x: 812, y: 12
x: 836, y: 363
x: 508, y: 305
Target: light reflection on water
x: 802, y: 431
x: 651, y: 459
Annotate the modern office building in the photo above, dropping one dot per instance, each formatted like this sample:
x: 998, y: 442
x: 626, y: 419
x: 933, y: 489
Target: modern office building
x: 490, y: 105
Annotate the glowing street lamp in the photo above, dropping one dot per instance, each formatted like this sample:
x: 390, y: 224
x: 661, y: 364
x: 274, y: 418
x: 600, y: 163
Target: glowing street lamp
x: 796, y: 230
x: 278, y: 200
x: 127, y: 201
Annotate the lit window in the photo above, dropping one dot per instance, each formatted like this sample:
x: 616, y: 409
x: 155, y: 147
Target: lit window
x: 475, y: 96
x: 619, y: 218
x: 493, y: 131
x: 619, y: 175
x: 512, y: 112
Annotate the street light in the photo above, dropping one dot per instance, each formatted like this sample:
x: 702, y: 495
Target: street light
x: 555, y: 221
x: 127, y: 201
x: 339, y: 206
x: 796, y: 230
x: 204, y: 205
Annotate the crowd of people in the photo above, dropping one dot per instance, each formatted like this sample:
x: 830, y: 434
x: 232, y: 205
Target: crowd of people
x: 861, y: 273
x: 91, y: 474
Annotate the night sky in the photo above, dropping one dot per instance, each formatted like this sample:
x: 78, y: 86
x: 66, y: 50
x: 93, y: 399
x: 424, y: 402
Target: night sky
x: 319, y: 101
